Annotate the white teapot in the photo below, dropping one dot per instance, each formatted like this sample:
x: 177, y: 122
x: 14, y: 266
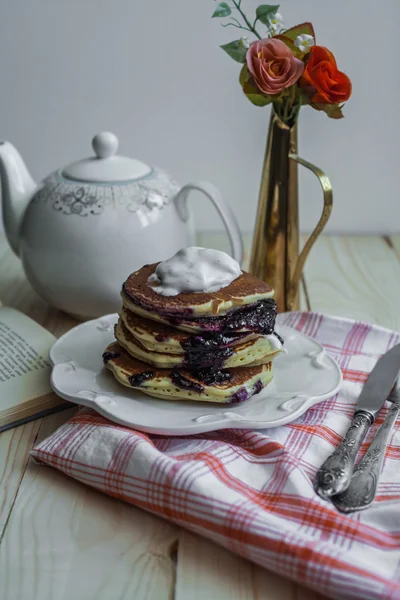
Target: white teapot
x: 87, y: 226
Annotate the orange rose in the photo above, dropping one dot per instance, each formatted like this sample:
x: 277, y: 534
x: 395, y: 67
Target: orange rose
x: 322, y: 80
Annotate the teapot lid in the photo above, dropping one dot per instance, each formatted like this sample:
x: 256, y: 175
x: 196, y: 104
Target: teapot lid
x: 106, y: 167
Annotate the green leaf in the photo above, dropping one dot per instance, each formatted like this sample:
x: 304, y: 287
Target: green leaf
x: 236, y: 50
x: 223, y: 10
x: 251, y: 90
x: 259, y: 99
x: 299, y: 30
x: 265, y: 12
x: 334, y: 111
x: 291, y: 34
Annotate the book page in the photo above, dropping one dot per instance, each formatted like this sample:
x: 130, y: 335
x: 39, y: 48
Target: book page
x: 24, y: 363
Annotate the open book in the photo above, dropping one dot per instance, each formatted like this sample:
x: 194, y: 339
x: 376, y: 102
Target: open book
x: 25, y: 392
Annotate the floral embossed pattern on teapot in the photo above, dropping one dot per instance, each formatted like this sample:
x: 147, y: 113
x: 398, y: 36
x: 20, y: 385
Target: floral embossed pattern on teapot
x: 87, y: 226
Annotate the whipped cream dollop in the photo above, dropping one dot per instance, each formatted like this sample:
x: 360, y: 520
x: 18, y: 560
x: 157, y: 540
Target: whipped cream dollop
x: 193, y: 270
x: 275, y: 342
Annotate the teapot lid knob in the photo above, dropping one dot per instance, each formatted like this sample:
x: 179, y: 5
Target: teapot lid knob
x: 106, y: 166
x: 105, y: 144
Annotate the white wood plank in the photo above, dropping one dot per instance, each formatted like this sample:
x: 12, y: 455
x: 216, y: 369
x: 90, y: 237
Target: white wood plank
x: 303, y: 290
x: 14, y: 447
x: 206, y: 570
x: 3, y: 245
x: 271, y: 586
x: 355, y: 277
x: 394, y: 240
x: 15, y: 444
x: 304, y: 297
x: 64, y: 540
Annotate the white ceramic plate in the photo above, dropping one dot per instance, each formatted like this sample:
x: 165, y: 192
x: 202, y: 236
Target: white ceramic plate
x: 304, y: 376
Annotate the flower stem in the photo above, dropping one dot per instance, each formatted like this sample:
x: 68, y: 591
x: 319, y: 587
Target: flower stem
x: 245, y: 19
x: 286, y: 111
x: 287, y: 108
x: 237, y: 26
x: 295, y: 112
x: 277, y: 107
x: 236, y: 21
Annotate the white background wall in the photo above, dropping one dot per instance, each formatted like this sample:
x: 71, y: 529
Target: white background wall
x: 152, y: 72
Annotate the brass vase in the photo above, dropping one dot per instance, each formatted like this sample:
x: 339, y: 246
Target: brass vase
x: 275, y: 254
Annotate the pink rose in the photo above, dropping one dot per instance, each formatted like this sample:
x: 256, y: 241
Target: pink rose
x: 273, y: 65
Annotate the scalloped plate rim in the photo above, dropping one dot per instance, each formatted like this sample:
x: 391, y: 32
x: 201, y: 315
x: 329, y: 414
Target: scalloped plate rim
x: 192, y: 427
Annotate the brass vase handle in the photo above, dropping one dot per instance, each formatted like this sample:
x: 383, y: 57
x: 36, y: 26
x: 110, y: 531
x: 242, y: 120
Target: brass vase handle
x: 326, y: 211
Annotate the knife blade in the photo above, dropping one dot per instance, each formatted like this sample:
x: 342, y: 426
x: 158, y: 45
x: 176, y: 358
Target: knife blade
x: 334, y: 476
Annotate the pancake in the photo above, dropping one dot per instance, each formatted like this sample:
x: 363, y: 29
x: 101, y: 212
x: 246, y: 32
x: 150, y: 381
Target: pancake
x: 254, y: 318
x: 252, y: 352
x: 232, y: 385
x: 158, y: 337
x: 245, y: 305
x: 140, y: 297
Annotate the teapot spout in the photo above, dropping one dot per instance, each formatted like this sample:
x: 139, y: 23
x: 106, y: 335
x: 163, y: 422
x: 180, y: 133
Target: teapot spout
x: 17, y: 187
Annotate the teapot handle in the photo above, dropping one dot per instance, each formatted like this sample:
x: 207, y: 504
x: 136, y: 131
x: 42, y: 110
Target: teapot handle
x: 225, y: 212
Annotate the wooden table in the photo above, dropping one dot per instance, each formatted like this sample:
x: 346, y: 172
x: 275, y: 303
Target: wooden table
x: 63, y: 541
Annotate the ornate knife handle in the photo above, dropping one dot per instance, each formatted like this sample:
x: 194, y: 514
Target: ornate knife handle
x: 362, y: 489
x: 335, y: 474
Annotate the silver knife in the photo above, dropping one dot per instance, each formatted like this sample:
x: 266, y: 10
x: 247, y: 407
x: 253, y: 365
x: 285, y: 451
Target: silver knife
x: 363, y: 485
x: 335, y: 474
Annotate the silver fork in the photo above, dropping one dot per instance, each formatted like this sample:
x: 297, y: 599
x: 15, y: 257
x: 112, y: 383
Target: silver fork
x: 363, y: 485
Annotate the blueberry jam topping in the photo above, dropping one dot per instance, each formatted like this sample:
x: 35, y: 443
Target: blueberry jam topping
x: 214, y: 360
x: 258, y: 317
x: 137, y: 380
x: 258, y: 387
x: 211, y: 341
x: 240, y: 396
x: 186, y: 384
x: 209, y: 350
x: 109, y: 355
x: 211, y: 377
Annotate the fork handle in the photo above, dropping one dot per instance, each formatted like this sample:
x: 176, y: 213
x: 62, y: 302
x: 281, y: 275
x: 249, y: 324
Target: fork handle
x: 362, y: 489
x: 335, y: 474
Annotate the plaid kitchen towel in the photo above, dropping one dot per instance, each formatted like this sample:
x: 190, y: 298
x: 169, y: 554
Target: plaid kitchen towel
x: 251, y: 491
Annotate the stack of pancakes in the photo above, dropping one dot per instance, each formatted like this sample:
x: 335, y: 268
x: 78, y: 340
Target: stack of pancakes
x: 214, y: 347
